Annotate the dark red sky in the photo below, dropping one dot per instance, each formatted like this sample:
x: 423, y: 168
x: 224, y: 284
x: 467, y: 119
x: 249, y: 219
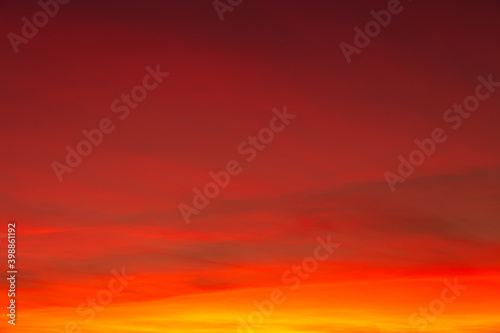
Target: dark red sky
x: 324, y: 174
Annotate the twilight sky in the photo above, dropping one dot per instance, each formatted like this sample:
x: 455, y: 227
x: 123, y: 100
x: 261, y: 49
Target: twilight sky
x: 322, y: 175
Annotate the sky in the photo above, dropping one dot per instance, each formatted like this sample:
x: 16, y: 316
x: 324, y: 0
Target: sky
x: 413, y: 251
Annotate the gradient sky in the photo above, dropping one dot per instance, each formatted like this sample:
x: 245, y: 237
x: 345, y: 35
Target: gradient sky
x: 323, y: 175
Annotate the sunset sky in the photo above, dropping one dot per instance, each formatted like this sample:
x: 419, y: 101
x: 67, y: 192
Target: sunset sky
x: 322, y: 176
